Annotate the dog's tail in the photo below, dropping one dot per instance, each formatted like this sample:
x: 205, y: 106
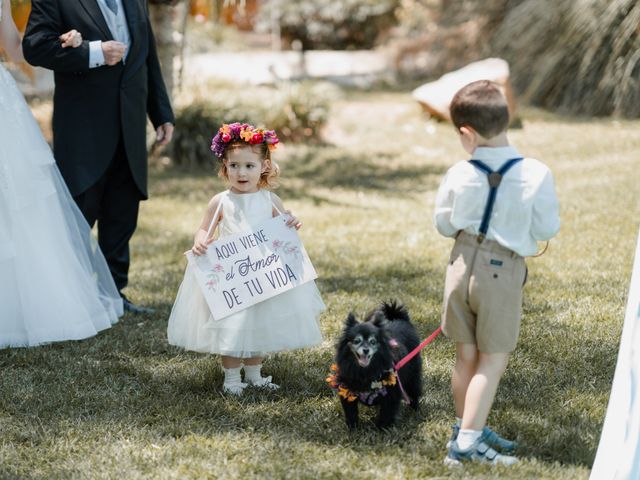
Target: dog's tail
x: 394, y: 310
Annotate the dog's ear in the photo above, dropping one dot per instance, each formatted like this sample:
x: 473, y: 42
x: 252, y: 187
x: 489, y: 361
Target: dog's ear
x: 351, y: 320
x: 379, y: 319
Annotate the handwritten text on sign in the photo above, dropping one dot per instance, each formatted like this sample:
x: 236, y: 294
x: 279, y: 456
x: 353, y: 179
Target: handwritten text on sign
x: 243, y: 269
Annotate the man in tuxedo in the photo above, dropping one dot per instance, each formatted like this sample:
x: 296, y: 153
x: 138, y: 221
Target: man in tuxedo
x: 104, y: 90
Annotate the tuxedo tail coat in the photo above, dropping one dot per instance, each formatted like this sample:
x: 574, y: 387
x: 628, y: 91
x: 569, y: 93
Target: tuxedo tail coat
x: 95, y: 108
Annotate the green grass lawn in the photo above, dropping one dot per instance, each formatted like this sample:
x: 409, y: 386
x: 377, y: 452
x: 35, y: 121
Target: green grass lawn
x: 127, y: 405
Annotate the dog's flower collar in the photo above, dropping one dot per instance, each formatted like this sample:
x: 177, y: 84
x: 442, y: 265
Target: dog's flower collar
x: 378, y: 388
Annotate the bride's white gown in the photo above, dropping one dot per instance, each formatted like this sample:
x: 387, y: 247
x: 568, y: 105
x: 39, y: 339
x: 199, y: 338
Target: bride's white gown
x: 54, y: 282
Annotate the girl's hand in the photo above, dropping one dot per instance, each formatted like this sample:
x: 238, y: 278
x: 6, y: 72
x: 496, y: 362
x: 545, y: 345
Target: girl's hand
x: 200, y: 246
x: 72, y: 38
x: 293, y: 220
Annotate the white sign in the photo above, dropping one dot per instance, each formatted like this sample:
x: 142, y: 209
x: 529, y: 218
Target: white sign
x: 243, y: 269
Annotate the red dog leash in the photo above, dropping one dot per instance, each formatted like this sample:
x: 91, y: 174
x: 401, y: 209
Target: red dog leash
x: 416, y: 350
x: 409, y: 356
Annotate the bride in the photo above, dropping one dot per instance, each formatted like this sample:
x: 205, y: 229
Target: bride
x: 54, y: 282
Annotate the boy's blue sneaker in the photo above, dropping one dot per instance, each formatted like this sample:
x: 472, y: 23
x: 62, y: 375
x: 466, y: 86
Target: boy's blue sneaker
x: 495, y: 440
x: 490, y: 437
x: 478, y: 452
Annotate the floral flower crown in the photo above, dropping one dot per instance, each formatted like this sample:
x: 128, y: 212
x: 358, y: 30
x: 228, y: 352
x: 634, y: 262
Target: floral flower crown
x: 242, y: 132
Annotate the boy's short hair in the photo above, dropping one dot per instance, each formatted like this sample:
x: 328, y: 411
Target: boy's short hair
x: 482, y: 106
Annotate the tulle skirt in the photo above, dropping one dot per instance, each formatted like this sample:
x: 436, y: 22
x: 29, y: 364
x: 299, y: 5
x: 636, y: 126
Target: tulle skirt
x: 54, y: 281
x: 284, y: 322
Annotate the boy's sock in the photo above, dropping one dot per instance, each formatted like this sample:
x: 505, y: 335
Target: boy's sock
x: 466, y: 438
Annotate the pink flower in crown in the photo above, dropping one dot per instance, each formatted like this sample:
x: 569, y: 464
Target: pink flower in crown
x: 235, y: 129
x: 270, y: 137
x: 226, y: 138
x: 257, y: 138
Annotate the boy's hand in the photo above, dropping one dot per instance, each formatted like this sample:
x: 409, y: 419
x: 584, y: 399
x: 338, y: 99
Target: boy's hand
x: 72, y: 38
x: 200, y: 247
x: 293, y: 220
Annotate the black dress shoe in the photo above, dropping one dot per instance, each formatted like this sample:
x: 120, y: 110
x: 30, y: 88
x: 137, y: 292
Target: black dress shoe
x: 133, y: 308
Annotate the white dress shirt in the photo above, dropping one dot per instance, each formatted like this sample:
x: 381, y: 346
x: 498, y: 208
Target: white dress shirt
x: 117, y: 24
x: 526, y: 206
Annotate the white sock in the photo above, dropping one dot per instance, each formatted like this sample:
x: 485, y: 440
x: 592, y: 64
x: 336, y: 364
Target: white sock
x: 232, y: 376
x: 252, y: 373
x: 467, y: 437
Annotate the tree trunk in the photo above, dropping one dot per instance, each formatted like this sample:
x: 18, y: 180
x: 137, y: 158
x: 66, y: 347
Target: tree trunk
x: 183, y: 19
x: 166, y: 18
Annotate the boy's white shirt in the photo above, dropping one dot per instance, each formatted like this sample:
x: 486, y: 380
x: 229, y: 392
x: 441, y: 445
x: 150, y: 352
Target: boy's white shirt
x: 526, y: 207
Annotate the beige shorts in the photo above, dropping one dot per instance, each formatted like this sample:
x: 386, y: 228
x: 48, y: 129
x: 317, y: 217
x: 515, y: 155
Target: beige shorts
x: 483, y: 295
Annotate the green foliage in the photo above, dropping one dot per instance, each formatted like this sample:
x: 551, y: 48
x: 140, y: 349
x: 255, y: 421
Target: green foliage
x: 333, y: 24
x: 572, y: 57
x: 297, y: 112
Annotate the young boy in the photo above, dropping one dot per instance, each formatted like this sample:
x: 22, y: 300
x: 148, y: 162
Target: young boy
x: 496, y: 219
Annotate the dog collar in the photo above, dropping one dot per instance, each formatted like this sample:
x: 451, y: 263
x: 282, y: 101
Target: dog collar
x: 378, y: 388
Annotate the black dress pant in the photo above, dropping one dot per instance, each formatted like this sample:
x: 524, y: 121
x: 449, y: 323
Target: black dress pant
x: 113, y: 202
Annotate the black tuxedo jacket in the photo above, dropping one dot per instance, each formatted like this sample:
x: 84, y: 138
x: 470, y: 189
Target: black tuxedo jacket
x: 93, y: 108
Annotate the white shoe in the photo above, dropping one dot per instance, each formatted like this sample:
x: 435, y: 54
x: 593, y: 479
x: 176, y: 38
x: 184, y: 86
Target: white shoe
x: 234, y: 388
x: 265, y: 382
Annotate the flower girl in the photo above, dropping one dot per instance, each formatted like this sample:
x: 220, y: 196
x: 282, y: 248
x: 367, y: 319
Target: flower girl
x: 286, y: 321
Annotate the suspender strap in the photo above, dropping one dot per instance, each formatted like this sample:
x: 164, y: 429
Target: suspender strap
x: 494, y: 179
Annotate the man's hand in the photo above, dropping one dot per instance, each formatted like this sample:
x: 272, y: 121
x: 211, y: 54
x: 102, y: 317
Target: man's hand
x: 164, y: 133
x: 72, y: 38
x: 113, y: 52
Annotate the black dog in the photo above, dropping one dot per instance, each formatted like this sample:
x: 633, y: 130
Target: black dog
x: 365, y: 357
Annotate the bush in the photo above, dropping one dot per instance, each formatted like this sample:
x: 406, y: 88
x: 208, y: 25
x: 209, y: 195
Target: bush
x: 573, y: 57
x: 332, y: 24
x: 297, y: 112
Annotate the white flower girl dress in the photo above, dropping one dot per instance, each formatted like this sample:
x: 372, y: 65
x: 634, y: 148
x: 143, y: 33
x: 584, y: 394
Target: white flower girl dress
x: 284, y: 322
x: 54, y: 282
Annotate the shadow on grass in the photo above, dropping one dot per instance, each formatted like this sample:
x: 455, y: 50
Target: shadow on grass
x: 335, y: 167
x: 308, y: 167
